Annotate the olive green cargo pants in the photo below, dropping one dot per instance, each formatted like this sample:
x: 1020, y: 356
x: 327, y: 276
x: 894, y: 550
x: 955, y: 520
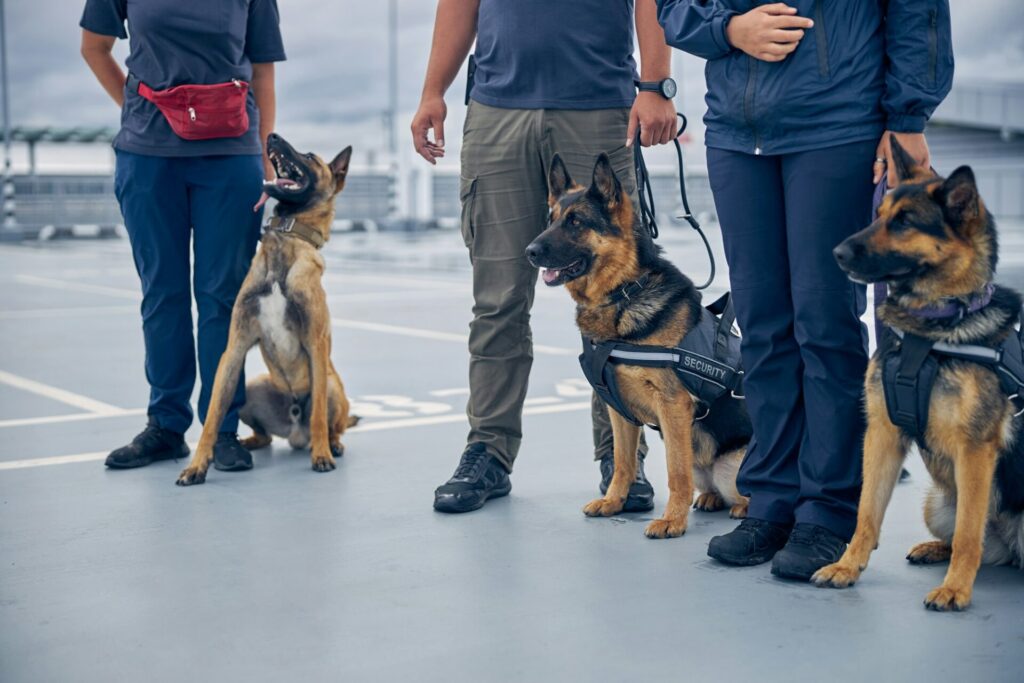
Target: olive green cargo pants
x: 505, y: 158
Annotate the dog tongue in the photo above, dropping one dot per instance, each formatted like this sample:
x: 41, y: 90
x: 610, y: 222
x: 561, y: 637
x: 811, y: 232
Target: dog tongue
x: 263, y: 200
x: 550, y: 275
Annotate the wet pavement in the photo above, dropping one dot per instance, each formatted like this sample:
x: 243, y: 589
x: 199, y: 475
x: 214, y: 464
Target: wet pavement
x: 281, y: 573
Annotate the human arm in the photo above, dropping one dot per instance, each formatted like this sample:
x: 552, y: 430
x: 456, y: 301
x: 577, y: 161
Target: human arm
x: 454, y: 32
x: 266, y: 103
x: 653, y: 115
x: 703, y: 28
x: 97, y: 51
x: 919, y: 75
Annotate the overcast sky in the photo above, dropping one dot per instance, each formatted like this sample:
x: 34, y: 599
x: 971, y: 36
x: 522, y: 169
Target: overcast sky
x: 332, y: 89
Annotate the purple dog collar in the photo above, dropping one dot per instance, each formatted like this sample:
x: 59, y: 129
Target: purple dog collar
x: 955, y: 308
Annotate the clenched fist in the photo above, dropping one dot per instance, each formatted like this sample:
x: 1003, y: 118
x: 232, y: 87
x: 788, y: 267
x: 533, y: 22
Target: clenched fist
x: 769, y: 32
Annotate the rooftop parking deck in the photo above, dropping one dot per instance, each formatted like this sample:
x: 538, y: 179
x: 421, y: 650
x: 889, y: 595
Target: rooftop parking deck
x: 283, y: 574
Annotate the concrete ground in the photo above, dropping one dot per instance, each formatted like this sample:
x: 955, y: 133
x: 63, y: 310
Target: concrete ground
x: 283, y: 574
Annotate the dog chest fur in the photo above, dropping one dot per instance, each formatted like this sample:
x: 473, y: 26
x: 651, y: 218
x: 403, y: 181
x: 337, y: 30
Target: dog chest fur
x: 273, y: 321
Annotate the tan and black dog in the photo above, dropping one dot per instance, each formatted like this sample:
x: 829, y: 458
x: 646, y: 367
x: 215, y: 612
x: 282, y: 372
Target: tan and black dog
x: 594, y: 245
x: 935, y: 244
x: 282, y: 307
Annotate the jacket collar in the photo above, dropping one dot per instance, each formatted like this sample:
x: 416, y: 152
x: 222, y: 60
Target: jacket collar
x: 294, y: 228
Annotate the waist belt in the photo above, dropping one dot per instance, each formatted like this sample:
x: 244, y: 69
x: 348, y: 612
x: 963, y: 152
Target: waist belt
x: 910, y: 366
x: 706, y: 360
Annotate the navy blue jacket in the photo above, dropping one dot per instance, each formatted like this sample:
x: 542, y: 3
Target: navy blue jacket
x: 867, y: 66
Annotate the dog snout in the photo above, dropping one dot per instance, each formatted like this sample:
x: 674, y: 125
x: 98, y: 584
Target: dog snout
x: 535, y: 251
x: 844, y: 253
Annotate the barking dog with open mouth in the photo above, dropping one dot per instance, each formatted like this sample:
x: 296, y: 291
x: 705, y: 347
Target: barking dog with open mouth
x: 935, y: 244
x: 594, y: 246
x: 282, y: 307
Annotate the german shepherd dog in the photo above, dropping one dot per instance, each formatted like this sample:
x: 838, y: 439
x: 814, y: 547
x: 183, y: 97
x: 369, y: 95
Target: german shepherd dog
x: 282, y: 307
x: 934, y: 242
x: 594, y: 245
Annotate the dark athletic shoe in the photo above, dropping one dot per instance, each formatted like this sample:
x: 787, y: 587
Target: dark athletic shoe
x: 641, y: 493
x: 810, y: 547
x: 153, y: 443
x: 478, y: 478
x: 229, y: 455
x: 754, y: 541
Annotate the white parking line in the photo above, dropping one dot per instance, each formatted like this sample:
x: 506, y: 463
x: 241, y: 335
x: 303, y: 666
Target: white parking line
x: 79, y: 287
x: 371, y: 427
x: 72, y: 399
x: 65, y: 312
x: 433, y: 334
x: 74, y: 417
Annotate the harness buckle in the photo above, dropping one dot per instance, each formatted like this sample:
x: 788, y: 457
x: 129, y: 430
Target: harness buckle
x: 286, y: 225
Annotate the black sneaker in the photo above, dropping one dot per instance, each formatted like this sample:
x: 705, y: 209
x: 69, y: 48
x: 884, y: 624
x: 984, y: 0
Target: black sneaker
x: 229, y: 455
x: 754, y: 541
x: 641, y: 493
x: 153, y: 443
x: 478, y: 478
x: 810, y: 547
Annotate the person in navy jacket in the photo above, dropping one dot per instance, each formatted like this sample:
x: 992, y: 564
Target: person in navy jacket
x: 802, y: 100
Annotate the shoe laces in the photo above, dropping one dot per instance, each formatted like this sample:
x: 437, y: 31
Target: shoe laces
x: 806, y: 534
x: 227, y: 437
x: 151, y: 437
x: 470, y: 464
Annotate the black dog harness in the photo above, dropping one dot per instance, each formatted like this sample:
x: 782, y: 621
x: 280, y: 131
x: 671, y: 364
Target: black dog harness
x: 910, y: 365
x: 706, y: 360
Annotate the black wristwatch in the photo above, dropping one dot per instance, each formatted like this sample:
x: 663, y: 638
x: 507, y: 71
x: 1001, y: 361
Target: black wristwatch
x: 666, y: 88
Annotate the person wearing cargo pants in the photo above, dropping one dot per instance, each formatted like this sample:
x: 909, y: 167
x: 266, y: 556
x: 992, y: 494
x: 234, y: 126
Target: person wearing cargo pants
x: 550, y: 78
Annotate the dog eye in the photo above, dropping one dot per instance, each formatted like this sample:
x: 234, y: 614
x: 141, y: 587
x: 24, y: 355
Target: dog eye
x: 310, y: 156
x: 574, y: 221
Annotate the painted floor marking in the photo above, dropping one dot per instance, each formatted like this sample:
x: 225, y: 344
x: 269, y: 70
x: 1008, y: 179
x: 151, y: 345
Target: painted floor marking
x: 371, y: 427
x: 67, y: 286
x: 75, y: 417
x: 70, y: 398
x: 433, y: 334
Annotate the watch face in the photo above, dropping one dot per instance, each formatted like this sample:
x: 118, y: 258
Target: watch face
x: 668, y: 88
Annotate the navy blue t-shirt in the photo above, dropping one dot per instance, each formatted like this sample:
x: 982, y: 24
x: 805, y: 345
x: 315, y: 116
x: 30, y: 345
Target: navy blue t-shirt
x: 187, y: 42
x: 555, y: 54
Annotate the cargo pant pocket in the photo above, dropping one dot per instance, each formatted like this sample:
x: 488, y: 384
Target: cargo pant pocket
x: 467, y: 196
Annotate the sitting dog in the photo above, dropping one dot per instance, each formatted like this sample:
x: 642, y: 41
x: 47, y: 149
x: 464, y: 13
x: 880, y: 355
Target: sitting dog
x: 282, y: 307
x: 596, y: 247
x: 935, y: 244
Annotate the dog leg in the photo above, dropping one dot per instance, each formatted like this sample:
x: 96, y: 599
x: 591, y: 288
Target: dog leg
x: 884, y: 451
x: 676, y: 422
x: 257, y: 441
x: 340, y: 420
x: 724, y: 474
x: 709, y: 501
x: 930, y: 552
x: 974, y: 468
x: 626, y: 436
x: 240, y: 340
x: 319, y: 353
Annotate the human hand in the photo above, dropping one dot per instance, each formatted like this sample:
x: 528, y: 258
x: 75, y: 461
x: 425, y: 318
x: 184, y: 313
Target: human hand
x: 654, y: 117
x: 769, y: 32
x: 913, y: 144
x: 430, y: 115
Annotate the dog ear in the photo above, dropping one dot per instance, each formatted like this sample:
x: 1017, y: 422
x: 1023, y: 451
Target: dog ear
x: 558, y: 180
x: 339, y: 166
x: 606, y: 185
x: 961, y: 203
x: 905, y: 166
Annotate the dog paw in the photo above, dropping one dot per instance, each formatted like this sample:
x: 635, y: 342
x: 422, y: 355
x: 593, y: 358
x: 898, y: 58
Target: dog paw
x: 323, y: 463
x: 709, y: 502
x: 947, y: 599
x: 255, y: 442
x: 929, y: 552
x: 666, y: 528
x: 835, y: 575
x: 191, y: 476
x: 353, y: 420
x: 337, y: 450
x: 739, y: 510
x: 602, y: 507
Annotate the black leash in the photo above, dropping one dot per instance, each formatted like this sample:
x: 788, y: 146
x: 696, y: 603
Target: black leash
x: 647, y: 211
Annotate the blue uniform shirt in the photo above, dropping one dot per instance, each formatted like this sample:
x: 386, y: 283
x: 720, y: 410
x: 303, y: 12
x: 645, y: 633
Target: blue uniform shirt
x: 555, y: 54
x: 186, y: 42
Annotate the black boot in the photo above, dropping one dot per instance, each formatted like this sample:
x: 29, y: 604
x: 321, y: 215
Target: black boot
x: 641, y: 493
x: 810, y: 547
x: 152, y: 443
x: 754, y: 541
x: 478, y: 478
x: 229, y: 455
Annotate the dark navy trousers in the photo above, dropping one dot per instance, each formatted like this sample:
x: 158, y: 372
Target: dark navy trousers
x: 804, y: 346
x: 192, y: 229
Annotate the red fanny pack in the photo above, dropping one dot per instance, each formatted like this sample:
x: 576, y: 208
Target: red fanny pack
x: 203, y: 112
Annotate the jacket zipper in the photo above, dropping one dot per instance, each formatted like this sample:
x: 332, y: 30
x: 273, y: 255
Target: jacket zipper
x: 748, y: 102
x: 821, y: 38
x: 933, y: 44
